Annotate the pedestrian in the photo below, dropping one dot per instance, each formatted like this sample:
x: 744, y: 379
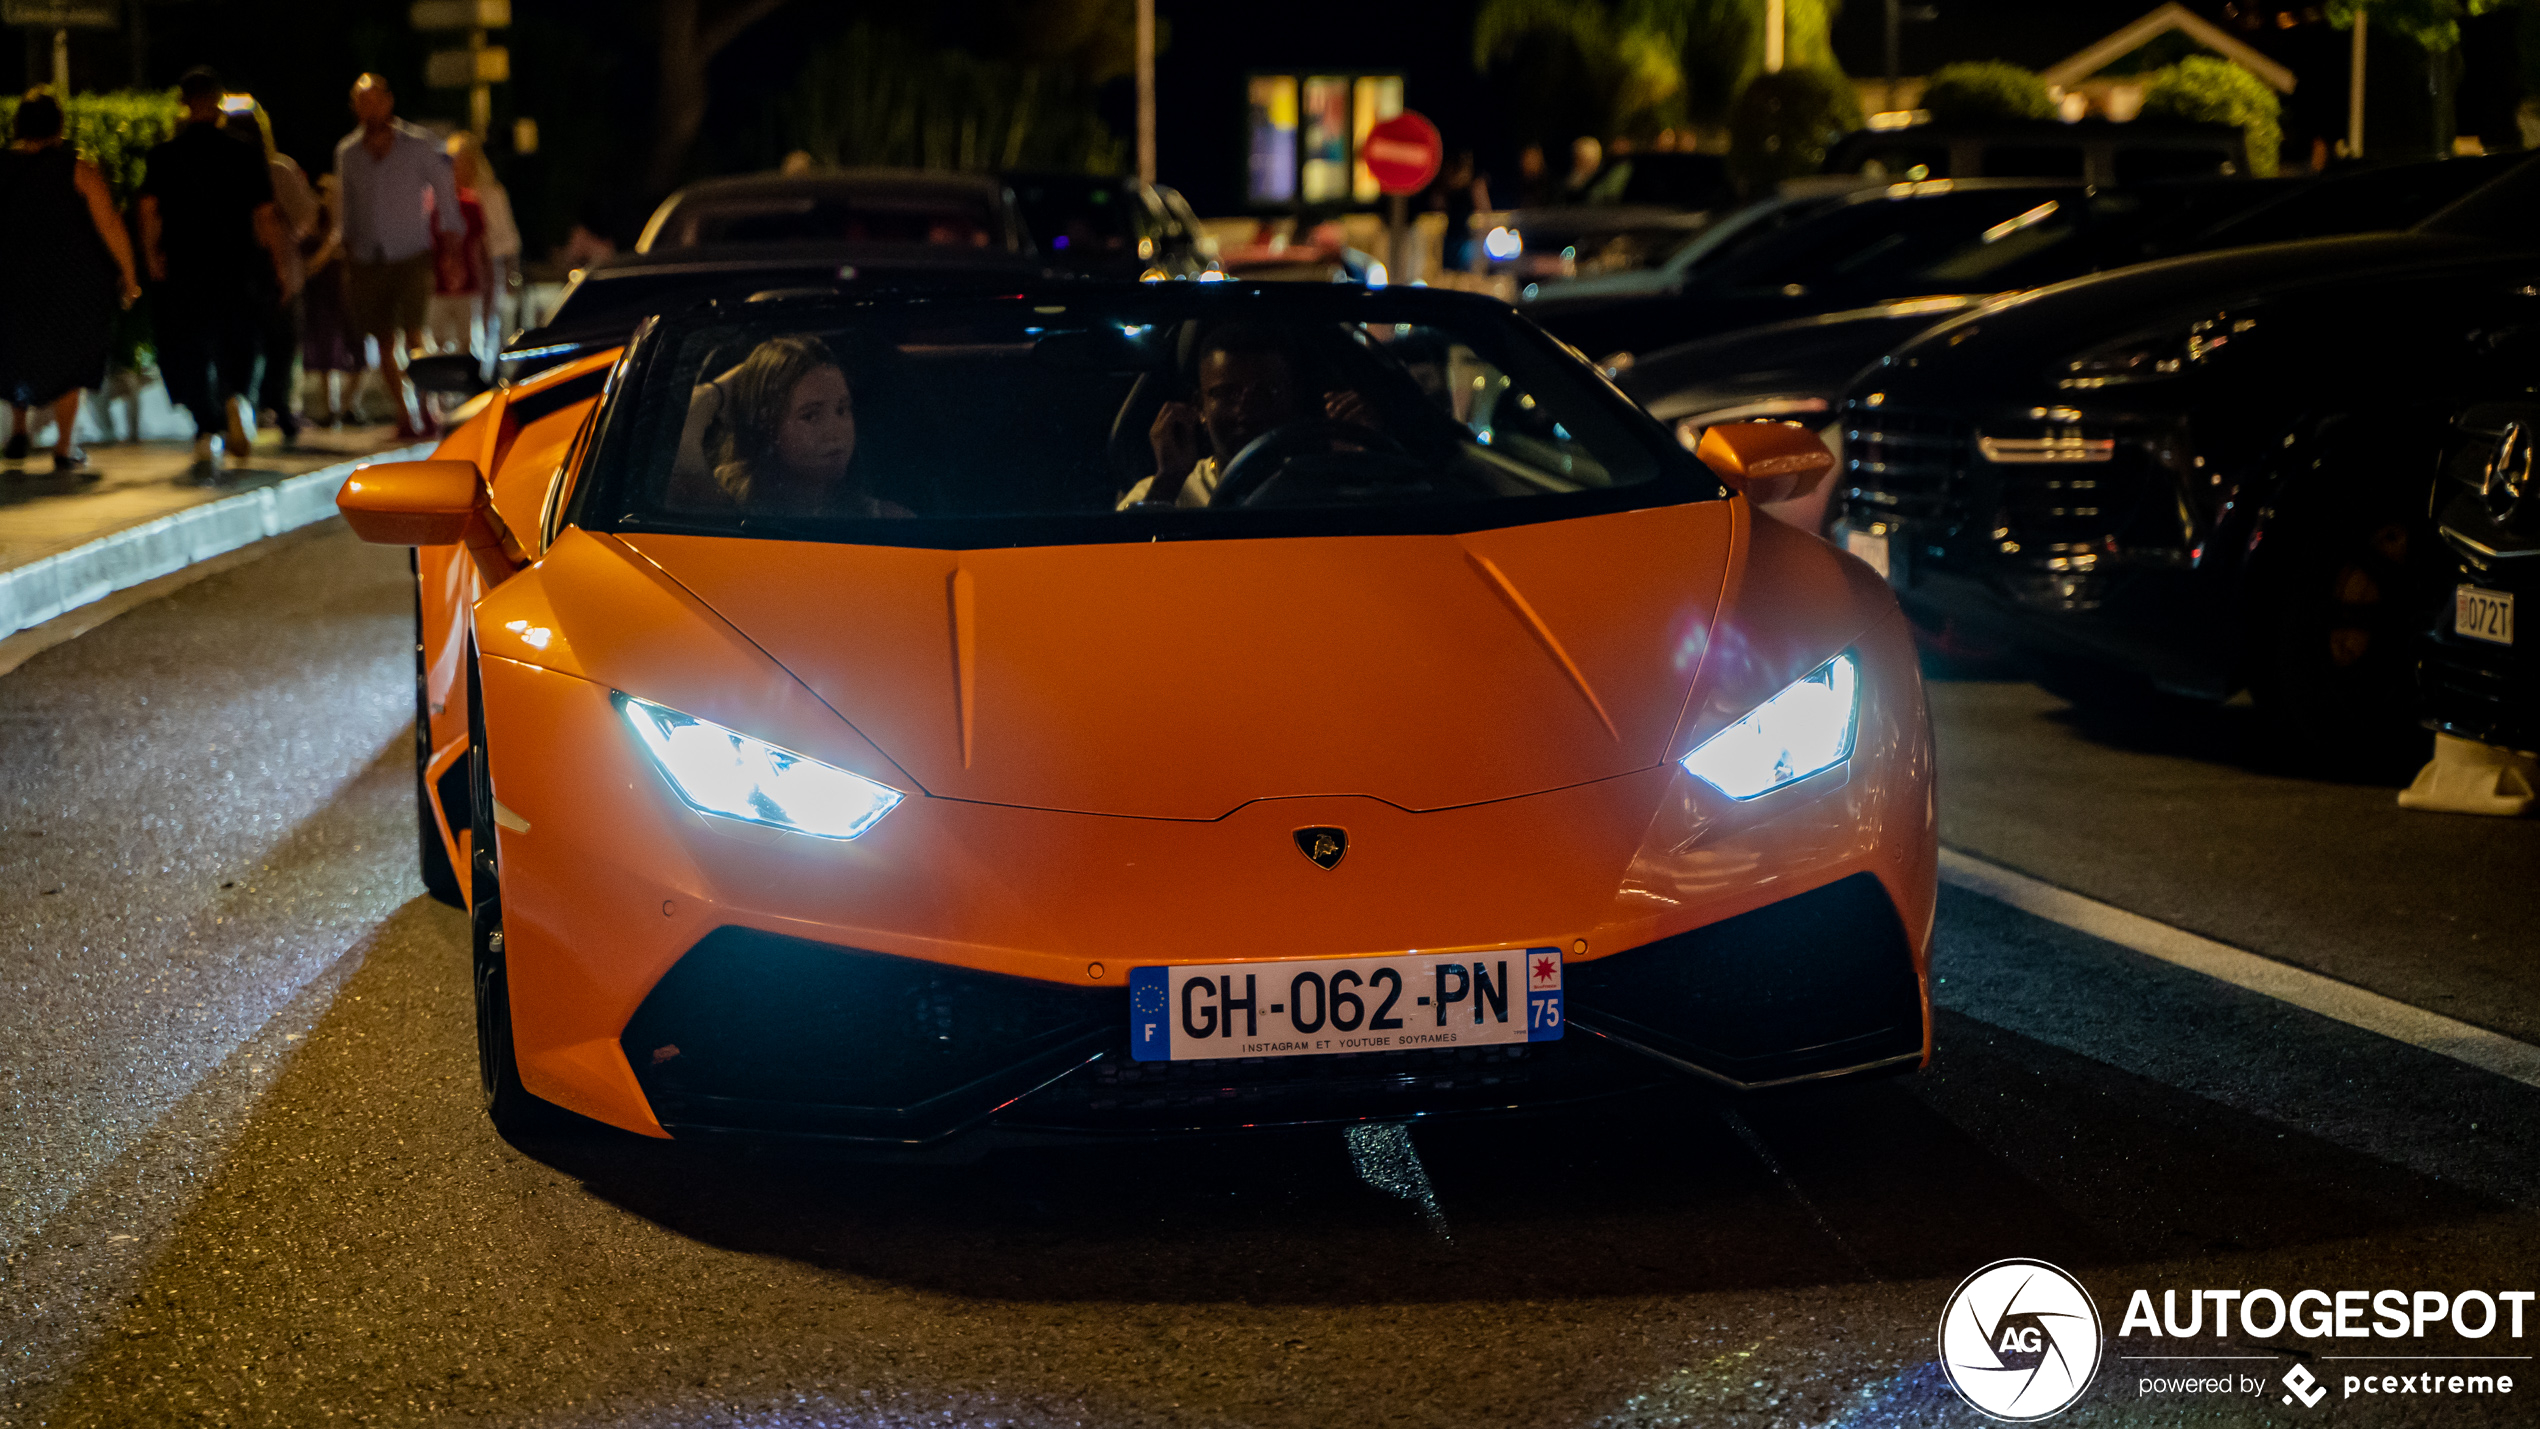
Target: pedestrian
x: 65, y: 266
x: 218, y: 257
x: 384, y: 169
x: 458, y: 274
x: 1587, y: 156
x: 502, y: 233
x: 329, y: 348
x: 297, y: 204
x: 1458, y: 194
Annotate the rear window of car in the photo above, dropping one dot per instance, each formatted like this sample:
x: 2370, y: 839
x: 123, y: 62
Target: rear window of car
x: 1074, y: 418
x: 927, y: 219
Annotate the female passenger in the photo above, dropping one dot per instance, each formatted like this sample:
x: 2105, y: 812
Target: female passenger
x: 777, y: 434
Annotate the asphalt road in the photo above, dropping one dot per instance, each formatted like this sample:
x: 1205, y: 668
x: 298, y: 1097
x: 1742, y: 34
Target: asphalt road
x: 246, y: 1181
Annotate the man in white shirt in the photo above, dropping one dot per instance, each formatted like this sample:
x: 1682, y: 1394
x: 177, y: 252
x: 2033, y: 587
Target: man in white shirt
x: 1246, y: 386
x: 383, y: 170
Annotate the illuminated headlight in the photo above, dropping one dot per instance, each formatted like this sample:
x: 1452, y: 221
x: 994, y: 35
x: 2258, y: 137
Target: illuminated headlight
x: 1503, y: 243
x: 724, y: 772
x: 1806, y: 729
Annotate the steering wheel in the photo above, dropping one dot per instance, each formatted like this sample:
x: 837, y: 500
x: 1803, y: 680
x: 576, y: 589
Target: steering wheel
x: 1266, y: 455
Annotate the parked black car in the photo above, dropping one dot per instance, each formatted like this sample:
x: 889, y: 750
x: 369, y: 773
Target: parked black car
x: 2095, y: 150
x: 1800, y: 257
x: 2212, y: 472
x: 1801, y: 367
x: 763, y: 232
x: 1106, y: 226
x: 2479, y: 677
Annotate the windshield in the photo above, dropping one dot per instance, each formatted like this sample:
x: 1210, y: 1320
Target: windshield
x: 930, y: 219
x: 1068, y: 418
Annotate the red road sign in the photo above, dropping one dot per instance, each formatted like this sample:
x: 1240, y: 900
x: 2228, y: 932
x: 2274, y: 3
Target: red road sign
x: 1403, y: 152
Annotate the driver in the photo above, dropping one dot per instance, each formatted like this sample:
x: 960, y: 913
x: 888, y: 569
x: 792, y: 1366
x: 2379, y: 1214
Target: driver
x: 1246, y: 387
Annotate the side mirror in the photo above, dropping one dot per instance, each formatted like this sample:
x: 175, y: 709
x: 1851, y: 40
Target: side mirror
x: 431, y: 503
x: 1768, y: 462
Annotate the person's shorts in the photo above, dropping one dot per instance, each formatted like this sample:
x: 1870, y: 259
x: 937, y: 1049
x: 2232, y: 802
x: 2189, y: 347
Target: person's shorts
x: 384, y: 298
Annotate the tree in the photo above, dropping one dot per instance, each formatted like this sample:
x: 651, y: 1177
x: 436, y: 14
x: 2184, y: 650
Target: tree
x: 1561, y: 63
x: 688, y: 34
x: 2206, y: 90
x: 1986, y: 90
x: 880, y: 95
x: 2434, y: 27
x: 1783, y: 124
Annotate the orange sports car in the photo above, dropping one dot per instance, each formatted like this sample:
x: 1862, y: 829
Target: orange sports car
x: 1102, y: 709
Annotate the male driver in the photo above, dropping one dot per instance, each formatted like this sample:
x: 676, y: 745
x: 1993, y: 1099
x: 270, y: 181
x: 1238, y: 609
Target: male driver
x: 1247, y: 386
x: 386, y: 170
x: 218, y: 255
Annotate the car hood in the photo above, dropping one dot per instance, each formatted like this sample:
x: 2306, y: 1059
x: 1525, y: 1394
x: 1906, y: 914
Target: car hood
x: 2011, y: 350
x: 1184, y: 679
x: 1806, y: 357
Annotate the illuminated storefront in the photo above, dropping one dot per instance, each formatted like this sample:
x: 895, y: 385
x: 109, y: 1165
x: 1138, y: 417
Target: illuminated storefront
x: 1304, y: 133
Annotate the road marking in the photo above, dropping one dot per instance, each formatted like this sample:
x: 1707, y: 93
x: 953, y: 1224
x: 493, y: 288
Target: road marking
x: 2344, y: 1002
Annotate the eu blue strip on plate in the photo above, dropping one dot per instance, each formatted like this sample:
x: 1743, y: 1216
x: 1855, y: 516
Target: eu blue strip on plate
x: 1150, y: 1014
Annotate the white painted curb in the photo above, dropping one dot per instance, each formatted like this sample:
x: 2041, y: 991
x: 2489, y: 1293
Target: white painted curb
x: 66, y: 580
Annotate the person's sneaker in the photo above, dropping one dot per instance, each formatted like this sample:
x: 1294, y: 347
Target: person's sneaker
x: 208, y: 456
x: 242, y: 426
x: 65, y: 462
x: 16, y: 450
x: 289, y: 425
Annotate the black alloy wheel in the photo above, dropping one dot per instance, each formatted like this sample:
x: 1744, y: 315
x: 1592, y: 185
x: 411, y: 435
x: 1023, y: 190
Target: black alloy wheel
x: 432, y: 856
x: 508, y: 1104
x: 2343, y: 606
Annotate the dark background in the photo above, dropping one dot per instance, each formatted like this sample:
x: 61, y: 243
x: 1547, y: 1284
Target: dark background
x: 584, y: 70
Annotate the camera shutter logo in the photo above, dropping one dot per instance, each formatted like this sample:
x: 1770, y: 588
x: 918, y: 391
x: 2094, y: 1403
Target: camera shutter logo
x: 2020, y: 1340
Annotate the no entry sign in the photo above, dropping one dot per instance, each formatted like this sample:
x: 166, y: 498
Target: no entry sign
x: 1402, y: 152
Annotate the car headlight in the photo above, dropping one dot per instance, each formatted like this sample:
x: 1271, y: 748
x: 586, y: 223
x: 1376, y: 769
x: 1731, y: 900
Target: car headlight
x: 727, y: 773
x: 1806, y: 729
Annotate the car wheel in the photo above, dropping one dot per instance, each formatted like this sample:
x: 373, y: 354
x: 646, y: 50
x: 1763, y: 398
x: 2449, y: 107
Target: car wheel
x: 432, y: 856
x: 508, y: 1104
x: 2341, y: 614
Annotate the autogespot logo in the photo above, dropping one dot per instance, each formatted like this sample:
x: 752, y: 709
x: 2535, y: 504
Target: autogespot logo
x: 2020, y: 1340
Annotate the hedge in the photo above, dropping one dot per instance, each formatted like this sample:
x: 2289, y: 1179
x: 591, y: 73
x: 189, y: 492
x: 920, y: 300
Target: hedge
x: 2215, y: 91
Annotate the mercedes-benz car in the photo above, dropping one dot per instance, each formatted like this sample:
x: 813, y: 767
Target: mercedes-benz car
x: 1099, y: 709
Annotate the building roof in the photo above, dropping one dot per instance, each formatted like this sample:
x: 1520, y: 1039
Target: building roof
x: 2086, y: 62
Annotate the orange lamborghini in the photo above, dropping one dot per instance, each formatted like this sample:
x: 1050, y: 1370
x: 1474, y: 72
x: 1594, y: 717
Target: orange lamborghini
x: 1120, y: 710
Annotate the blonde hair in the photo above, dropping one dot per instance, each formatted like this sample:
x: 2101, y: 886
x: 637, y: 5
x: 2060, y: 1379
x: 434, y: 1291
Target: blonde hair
x: 757, y: 394
x: 464, y: 146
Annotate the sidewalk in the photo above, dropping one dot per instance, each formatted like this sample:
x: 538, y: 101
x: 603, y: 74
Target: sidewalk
x: 139, y: 513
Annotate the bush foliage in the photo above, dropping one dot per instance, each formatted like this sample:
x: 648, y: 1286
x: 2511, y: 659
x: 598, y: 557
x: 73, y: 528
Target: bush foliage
x: 1783, y: 124
x: 878, y: 96
x: 114, y: 129
x: 1986, y: 89
x: 2215, y: 91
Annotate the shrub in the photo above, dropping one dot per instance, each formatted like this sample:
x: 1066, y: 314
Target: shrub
x: 2207, y: 90
x: 114, y: 129
x: 1986, y: 89
x: 1783, y: 124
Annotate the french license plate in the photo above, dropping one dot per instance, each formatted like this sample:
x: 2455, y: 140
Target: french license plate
x: 1870, y: 547
x: 1387, y: 1004
x: 2483, y: 614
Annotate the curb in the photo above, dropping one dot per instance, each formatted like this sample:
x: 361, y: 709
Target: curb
x: 66, y: 580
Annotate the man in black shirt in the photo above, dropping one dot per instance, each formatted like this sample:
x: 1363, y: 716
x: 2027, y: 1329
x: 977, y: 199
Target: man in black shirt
x: 217, y: 253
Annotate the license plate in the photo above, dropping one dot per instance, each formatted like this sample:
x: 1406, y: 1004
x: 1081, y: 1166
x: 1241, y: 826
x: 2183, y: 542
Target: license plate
x: 1870, y: 547
x: 2483, y: 614
x: 1388, y: 1004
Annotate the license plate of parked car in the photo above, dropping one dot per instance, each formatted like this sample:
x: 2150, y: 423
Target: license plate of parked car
x: 1385, y: 1004
x: 2483, y: 614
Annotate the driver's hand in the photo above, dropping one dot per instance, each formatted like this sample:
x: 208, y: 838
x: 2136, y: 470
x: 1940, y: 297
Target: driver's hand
x: 1175, y: 438
x: 1348, y: 406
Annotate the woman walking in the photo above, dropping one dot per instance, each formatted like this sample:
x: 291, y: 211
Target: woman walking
x: 328, y: 348
x: 64, y: 261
